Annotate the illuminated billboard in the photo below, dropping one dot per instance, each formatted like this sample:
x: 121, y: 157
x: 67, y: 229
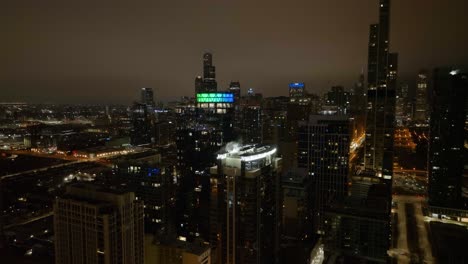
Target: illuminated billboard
x: 296, y: 85
x: 215, y: 98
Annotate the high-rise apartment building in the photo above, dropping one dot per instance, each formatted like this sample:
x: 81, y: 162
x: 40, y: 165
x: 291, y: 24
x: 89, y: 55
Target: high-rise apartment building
x: 245, y: 201
x: 152, y: 183
x: 323, y: 149
x: 447, y: 137
x: 93, y: 224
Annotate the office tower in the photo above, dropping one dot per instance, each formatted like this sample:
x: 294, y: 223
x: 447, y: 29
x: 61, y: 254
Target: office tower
x: 389, y: 117
x: 382, y: 70
x: 202, y: 128
x: 207, y: 83
x: 296, y: 91
x: 93, y: 224
x: 402, y: 105
x: 235, y: 88
x: 199, y: 85
x: 251, y: 119
x: 142, y: 132
x: 299, y: 108
x: 152, y: 183
x: 296, y: 220
x: 274, y: 119
x: 358, y: 97
x: 245, y: 201
x: 252, y: 124
x: 339, y: 99
x: 447, y: 137
x: 421, y: 106
x: 209, y: 73
x: 147, y: 97
x: 323, y: 149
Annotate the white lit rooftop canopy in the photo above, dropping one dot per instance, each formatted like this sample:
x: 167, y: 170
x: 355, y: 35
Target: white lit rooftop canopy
x: 247, y: 152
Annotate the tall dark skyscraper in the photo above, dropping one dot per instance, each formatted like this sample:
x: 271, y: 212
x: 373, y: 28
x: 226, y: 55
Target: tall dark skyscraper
x: 202, y: 129
x: 380, y: 96
x: 209, y: 74
x: 339, y: 99
x: 447, y: 137
x: 198, y: 84
x: 142, y: 132
x: 359, y: 226
x: 323, y: 149
x: 147, y: 96
x: 151, y: 182
x: 235, y: 88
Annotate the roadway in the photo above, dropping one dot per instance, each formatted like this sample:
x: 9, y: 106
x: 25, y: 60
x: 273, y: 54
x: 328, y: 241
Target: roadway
x: 413, y: 244
x: 34, y: 219
x: 5, y: 177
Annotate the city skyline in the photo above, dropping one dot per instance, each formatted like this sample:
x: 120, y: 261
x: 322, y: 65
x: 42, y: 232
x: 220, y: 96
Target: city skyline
x: 54, y: 55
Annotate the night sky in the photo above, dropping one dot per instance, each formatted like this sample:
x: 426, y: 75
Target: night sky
x: 88, y: 51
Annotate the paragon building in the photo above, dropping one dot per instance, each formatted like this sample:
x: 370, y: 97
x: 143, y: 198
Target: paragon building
x: 93, y: 224
x: 245, y: 205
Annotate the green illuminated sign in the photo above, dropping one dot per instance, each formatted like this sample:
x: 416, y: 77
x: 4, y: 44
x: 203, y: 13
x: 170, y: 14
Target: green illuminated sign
x: 215, y: 98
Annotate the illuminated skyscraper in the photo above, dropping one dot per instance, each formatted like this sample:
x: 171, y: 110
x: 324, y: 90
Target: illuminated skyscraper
x: 296, y: 91
x: 421, y: 106
x: 402, y: 105
x: 93, y: 224
x: 245, y: 202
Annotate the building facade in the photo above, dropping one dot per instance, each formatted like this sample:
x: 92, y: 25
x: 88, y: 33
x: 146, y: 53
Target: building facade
x: 245, y: 202
x: 447, y: 138
x: 93, y: 224
x: 323, y: 149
